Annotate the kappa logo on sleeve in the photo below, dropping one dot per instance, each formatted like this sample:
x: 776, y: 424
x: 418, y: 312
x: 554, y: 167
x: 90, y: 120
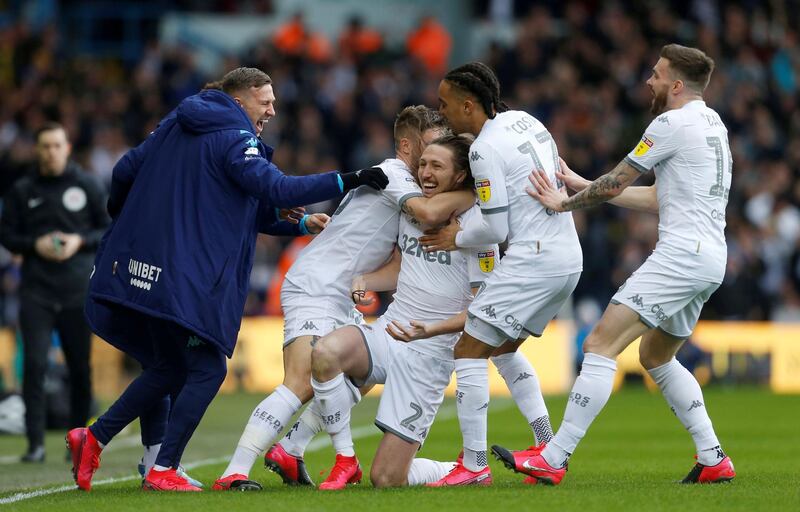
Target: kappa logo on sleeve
x: 486, y: 261
x: 484, y: 190
x: 643, y: 147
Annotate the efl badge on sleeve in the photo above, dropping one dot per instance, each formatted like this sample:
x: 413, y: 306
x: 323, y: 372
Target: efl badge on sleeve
x: 643, y: 146
x: 484, y: 189
x: 486, y: 261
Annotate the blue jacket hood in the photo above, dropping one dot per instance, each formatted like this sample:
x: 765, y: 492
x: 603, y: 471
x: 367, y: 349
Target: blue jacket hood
x: 210, y: 111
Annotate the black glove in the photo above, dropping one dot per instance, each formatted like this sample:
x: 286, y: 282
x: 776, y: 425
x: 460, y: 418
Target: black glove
x: 373, y: 177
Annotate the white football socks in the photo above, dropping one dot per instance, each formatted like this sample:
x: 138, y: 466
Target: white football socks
x: 308, y: 425
x: 264, y: 425
x: 523, y: 383
x: 427, y: 471
x: 149, y: 457
x: 335, y: 398
x: 684, y: 396
x: 472, y: 403
x: 589, y: 395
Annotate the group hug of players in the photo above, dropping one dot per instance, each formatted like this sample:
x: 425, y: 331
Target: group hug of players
x: 464, y: 179
x: 457, y: 304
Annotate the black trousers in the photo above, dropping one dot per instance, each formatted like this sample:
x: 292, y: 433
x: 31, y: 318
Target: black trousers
x: 37, y: 321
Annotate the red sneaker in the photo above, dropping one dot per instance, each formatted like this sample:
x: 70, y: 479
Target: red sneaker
x: 460, y: 475
x: 85, y: 456
x: 291, y: 469
x: 700, y: 474
x: 347, y: 470
x: 235, y: 482
x: 167, y: 480
x: 530, y: 462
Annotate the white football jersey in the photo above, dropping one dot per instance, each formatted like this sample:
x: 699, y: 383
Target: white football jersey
x: 689, y: 151
x: 360, y: 237
x: 434, y: 286
x: 502, y: 157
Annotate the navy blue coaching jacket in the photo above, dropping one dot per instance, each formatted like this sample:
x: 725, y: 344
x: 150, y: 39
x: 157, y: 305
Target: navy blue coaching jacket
x: 187, y: 205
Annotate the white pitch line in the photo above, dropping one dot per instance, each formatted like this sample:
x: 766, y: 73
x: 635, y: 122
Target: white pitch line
x: 316, y: 444
x: 122, y: 443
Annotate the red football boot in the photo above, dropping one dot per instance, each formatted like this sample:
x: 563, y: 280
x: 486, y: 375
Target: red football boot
x: 167, y: 480
x: 347, y: 470
x: 700, y: 474
x: 85, y: 453
x: 291, y: 469
x: 235, y: 482
x: 460, y: 475
x: 530, y: 462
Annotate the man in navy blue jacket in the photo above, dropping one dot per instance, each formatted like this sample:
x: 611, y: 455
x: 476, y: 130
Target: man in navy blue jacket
x: 171, y: 274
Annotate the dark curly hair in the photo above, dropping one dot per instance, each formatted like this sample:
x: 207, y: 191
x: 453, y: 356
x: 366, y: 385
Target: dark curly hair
x: 478, y: 79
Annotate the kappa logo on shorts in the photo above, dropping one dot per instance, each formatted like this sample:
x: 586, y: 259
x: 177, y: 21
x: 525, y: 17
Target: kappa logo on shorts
x: 484, y: 190
x: 637, y: 299
x: 309, y: 325
x: 194, y: 341
x: 489, y: 311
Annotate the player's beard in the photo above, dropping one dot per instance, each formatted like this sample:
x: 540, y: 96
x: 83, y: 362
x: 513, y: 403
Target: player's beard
x: 659, y: 103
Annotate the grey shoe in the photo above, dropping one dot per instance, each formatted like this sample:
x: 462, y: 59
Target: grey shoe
x: 34, y: 455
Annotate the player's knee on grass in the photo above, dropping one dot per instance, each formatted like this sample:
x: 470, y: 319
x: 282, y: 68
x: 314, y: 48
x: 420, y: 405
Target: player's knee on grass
x: 382, y: 474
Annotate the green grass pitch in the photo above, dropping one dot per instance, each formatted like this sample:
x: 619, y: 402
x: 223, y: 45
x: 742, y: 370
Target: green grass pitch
x: 630, y: 460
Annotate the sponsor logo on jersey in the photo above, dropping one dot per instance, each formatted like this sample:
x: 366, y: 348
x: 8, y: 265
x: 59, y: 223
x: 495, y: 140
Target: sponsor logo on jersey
x: 484, y: 189
x: 251, y: 151
x: 143, y: 275
x: 486, y: 261
x: 643, y: 147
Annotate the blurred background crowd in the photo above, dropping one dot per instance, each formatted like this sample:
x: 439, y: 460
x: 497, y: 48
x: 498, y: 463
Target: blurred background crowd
x: 578, y: 66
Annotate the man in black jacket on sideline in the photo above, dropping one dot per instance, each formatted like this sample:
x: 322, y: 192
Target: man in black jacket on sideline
x: 54, y: 218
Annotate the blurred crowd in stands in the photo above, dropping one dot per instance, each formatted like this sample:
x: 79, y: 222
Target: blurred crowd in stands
x: 578, y: 66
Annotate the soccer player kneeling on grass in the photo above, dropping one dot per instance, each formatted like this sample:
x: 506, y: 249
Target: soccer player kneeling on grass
x: 315, y: 296
x: 434, y: 288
